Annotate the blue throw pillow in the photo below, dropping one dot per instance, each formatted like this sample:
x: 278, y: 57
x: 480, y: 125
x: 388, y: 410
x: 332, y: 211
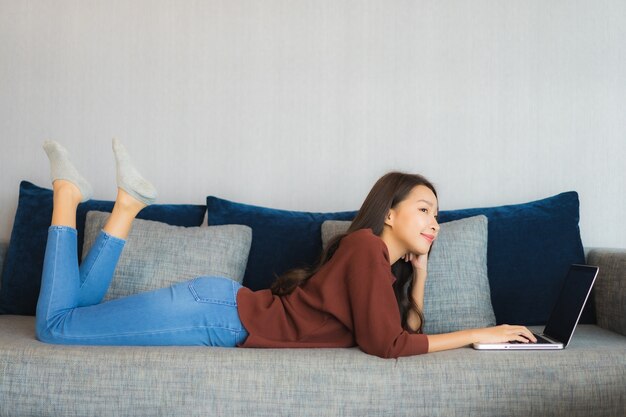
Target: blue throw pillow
x: 21, y: 277
x: 530, y: 249
x: 281, y: 239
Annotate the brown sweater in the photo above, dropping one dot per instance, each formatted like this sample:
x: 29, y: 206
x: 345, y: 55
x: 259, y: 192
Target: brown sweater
x: 348, y: 302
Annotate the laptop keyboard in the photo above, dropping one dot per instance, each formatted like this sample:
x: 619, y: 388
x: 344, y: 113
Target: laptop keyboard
x: 539, y: 340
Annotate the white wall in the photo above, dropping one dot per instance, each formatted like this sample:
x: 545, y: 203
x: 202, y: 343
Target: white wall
x: 304, y: 104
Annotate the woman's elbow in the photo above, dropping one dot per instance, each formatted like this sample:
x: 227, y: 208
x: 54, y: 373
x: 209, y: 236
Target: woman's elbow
x: 383, y: 352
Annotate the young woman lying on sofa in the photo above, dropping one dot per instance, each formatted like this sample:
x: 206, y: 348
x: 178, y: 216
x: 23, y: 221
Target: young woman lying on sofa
x: 353, y: 297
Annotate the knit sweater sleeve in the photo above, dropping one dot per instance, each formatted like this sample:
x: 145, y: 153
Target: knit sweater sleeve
x: 376, y: 316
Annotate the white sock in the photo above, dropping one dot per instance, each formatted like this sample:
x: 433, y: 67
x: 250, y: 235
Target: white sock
x: 61, y: 168
x: 129, y: 179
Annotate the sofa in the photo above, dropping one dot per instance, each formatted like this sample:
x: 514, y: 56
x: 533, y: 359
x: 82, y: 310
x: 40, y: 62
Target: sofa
x: 587, y: 378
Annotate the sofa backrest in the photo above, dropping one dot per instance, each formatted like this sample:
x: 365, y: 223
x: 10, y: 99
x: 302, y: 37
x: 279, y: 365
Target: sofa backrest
x: 4, y: 245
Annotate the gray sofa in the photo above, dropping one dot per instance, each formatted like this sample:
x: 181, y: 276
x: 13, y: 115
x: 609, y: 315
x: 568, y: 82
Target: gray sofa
x: 587, y: 378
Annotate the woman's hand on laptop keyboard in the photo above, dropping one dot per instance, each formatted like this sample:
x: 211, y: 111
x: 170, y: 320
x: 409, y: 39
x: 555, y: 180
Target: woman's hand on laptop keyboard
x: 498, y: 334
x: 504, y: 333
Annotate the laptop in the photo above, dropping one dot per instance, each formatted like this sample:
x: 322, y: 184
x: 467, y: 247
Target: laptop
x: 565, y: 314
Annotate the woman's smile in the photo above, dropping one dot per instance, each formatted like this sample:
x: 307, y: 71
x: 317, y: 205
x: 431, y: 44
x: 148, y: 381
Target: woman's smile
x: 429, y: 238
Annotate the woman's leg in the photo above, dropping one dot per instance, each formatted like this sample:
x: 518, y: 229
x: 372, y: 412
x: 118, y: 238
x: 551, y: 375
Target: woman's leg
x: 198, y: 312
x: 70, y: 188
x: 134, y: 193
x: 101, y: 259
x: 201, y: 312
x: 98, y: 266
x: 64, y: 285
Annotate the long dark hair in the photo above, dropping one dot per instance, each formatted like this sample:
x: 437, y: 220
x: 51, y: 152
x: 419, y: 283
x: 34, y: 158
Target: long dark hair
x: 389, y: 190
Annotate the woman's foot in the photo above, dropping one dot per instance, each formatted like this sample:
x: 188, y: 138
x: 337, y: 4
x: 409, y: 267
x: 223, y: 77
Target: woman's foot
x: 129, y: 179
x: 61, y: 168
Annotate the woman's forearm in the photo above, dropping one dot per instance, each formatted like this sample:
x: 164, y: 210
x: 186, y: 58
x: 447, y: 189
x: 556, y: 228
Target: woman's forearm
x: 495, y: 334
x: 445, y: 341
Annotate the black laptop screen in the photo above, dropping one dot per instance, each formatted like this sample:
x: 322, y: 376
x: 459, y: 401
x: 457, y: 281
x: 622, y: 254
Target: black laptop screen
x: 570, y: 303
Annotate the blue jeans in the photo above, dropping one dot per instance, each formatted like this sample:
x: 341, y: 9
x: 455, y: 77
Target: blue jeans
x: 202, y: 311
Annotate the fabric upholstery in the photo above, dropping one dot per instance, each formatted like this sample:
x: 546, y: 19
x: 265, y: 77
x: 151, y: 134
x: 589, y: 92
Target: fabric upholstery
x: 21, y: 277
x: 281, y: 239
x: 456, y: 294
x: 609, y: 290
x: 587, y: 378
x: 158, y: 255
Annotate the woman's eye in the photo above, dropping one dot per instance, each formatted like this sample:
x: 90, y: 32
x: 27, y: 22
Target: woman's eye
x: 425, y: 210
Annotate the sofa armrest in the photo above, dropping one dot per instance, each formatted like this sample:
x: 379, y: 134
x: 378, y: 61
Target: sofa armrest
x: 610, y: 288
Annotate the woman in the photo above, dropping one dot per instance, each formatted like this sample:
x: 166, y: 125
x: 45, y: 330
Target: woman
x: 353, y: 297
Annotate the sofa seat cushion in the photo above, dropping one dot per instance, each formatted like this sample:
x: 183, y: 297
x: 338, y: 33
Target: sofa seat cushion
x: 587, y: 378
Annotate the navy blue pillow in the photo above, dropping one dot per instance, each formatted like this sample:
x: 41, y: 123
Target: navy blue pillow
x: 281, y: 239
x: 21, y: 277
x: 530, y: 249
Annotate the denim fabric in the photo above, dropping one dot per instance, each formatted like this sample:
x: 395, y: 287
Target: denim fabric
x: 202, y: 311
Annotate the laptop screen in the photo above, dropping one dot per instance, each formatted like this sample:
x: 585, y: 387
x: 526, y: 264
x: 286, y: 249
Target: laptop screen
x: 571, y: 302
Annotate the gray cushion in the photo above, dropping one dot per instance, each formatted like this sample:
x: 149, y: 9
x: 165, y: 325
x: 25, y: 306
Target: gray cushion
x: 456, y: 295
x: 158, y: 255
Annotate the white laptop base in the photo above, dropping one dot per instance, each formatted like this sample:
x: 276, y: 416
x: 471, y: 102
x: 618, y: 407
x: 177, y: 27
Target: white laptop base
x: 552, y: 345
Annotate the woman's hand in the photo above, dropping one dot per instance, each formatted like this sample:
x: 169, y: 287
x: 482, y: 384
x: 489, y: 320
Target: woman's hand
x: 419, y: 262
x: 504, y: 333
x: 498, y: 334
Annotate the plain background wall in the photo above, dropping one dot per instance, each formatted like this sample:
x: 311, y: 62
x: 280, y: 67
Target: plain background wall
x: 304, y: 104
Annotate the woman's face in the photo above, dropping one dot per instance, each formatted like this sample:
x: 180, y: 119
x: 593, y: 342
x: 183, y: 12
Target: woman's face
x: 414, y: 220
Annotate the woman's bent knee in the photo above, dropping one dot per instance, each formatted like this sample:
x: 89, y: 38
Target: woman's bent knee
x: 46, y: 332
